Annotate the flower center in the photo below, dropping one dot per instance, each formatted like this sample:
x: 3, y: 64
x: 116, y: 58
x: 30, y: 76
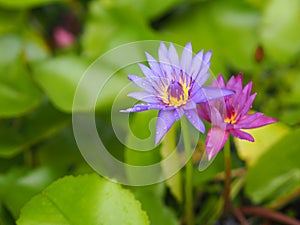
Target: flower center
x: 231, y: 119
x: 176, y: 94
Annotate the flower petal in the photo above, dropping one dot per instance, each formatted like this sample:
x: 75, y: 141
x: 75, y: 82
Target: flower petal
x: 143, y: 107
x: 254, y: 120
x: 154, y: 65
x: 242, y: 135
x: 186, y: 58
x: 246, y: 103
x: 194, y: 119
x: 142, y: 83
x: 217, y: 118
x: 207, y: 56
x: 146, y: 71
x: 164, y: 60
x: 221, y: 81
x: 216, y: 139
x: 205, y: 94
x: 204, y: 111
x: 196, y: 63
x: 203, y: 74
x: 178, y: 112
x: 165, y: 121
x: 173, y: 56
x: 235, y: 83
x: 144, y: 96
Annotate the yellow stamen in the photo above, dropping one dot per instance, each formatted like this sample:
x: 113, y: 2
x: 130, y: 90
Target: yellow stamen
x: 231, y: 119
x: 176, y: 93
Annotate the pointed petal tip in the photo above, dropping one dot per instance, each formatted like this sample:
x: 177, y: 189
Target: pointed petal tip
x: 188, y: 46
x: 207, y: 56
x: 240, y: 75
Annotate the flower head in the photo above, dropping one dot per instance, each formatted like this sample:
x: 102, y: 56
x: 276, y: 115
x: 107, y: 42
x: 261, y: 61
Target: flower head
x: 174, y: 87
x: 231, y: 115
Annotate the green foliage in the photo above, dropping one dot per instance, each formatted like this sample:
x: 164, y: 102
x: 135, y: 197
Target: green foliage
x: 40, y: 69
x: 21, y: 4
x: 59, y: 77
x: 275, y: 182
x: 22, y: 133
x: 89, y: 200
x: 151, y: 198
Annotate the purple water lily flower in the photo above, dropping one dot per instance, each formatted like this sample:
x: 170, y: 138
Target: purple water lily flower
x: 174, y: 87
x: 231, y: 115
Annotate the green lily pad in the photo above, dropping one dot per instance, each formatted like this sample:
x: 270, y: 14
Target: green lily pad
x: 20, y: 184
x: 81, y: 200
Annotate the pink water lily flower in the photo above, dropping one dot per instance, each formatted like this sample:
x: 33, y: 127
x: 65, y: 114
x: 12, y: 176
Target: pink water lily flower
x: 230, y: 115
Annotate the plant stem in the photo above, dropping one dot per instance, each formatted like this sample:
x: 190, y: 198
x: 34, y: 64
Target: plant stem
x: 189, y: 167
x: 270, y: 214
x: 227, y: 159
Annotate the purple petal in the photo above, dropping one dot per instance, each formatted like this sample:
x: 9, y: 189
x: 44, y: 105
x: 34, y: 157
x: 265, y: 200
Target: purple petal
x: 216, y: 139
x: 144, y: 96
x: 207, y: 56
x: 195, y: 120
x: 178, y: 112
x: 205, y: 94
x: 203, y: 74
x: 242, y: 135
x: 173, y: 56
x: 164, y: 60
x: 165, y: 121
x: 186, y: 58
x: 190, y: 105
x: 141, y: 82
x: 254, y: 120
x: 146, y: 71
x: 154, y: 65
x: 143, y: 107
x: 196, y: 63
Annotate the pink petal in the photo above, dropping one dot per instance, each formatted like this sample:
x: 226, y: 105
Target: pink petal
x: 258, y: 120
x: 221, y: 81
x: 247, y: 105
x: 204, y: 112
x: 242, y: 135
x: 216, y: 139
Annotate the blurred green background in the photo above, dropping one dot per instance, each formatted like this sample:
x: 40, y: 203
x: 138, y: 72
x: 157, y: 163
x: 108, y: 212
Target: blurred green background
x: 45, y: 46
